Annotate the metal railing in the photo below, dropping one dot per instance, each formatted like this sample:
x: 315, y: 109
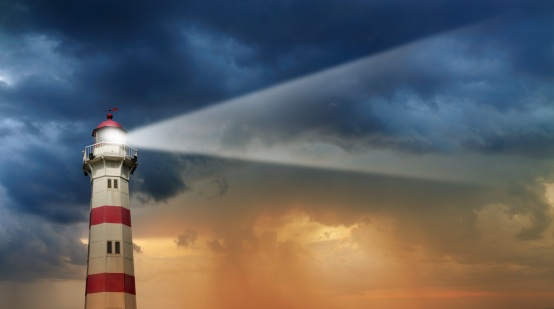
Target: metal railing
x: 109, y: 149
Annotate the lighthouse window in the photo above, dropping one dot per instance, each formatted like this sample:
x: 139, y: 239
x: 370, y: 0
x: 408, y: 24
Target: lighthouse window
x: 109, y: 183
x: 115, y: 183
x: 109, y: 248
x: 117, y: 247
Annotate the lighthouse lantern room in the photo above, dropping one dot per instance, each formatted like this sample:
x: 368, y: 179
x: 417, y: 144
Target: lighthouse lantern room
x: 110, y: 162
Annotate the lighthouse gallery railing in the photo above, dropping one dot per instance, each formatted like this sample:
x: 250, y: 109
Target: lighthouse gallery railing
x: 109, y: 149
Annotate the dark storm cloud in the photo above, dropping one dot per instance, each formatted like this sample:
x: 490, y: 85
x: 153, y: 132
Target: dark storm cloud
x: 459, y: 92
x: 120, y: 53
x: 161, y: 176
x: 93, y: 26
x: 166, y: 58
x: 296, y: 36
x: 32, y: 248
x: 39, y: 172
x: 145, y: 53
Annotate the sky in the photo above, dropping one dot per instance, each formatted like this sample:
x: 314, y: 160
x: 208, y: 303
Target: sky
x: 292, y: 154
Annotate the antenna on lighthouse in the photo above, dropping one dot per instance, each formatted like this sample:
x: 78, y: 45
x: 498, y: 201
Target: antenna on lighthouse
x: 109, y: 111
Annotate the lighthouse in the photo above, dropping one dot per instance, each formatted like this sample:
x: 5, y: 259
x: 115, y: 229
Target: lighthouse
x: 110, y: 162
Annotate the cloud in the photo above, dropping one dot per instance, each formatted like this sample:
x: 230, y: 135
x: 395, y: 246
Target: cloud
x: 215, y: 246
x: 533, y: 203
x: 32, y: 248
x: 44, y: 177
x: 160, y: 177
x: 137, y: 248
x: 187, y: 238
x: 181, y: 58
x: 416, y: 210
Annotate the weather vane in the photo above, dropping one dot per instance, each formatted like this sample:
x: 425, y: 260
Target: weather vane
x: 113, y: 109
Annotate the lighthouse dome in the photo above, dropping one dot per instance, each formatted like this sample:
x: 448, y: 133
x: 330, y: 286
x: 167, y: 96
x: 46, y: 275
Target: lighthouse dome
x: 109, y: 131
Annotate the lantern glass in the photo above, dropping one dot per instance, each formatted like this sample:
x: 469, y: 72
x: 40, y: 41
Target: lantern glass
x: 110, y: 135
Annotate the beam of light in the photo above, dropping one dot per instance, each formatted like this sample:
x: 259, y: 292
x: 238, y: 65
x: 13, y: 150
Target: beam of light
x: 294, y: 123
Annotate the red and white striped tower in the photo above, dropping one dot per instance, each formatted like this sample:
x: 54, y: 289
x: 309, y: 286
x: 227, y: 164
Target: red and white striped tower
x: 110, y: 267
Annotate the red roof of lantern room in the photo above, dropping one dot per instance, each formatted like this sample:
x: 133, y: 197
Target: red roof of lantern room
x: 108, y: 123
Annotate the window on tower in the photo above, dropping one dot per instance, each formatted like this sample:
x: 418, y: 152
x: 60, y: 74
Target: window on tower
x: 109, y: 183
x: 109, y: 247
x: 115, y: 183
x: 117, y: 247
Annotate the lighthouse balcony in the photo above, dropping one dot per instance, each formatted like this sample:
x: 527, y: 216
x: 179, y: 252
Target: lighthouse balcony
x: 106, y: 149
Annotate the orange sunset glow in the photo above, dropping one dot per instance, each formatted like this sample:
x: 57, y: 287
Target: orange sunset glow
x: 321, y: 252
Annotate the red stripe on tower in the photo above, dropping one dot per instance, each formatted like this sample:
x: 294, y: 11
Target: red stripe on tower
x: 111, y: 282
x: 110, y: 214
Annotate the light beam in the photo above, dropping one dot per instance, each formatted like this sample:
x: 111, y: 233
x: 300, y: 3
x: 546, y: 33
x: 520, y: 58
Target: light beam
x: 295, y: 123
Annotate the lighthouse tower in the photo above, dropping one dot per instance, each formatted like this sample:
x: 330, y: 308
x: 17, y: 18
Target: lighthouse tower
x: 110, y: 268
